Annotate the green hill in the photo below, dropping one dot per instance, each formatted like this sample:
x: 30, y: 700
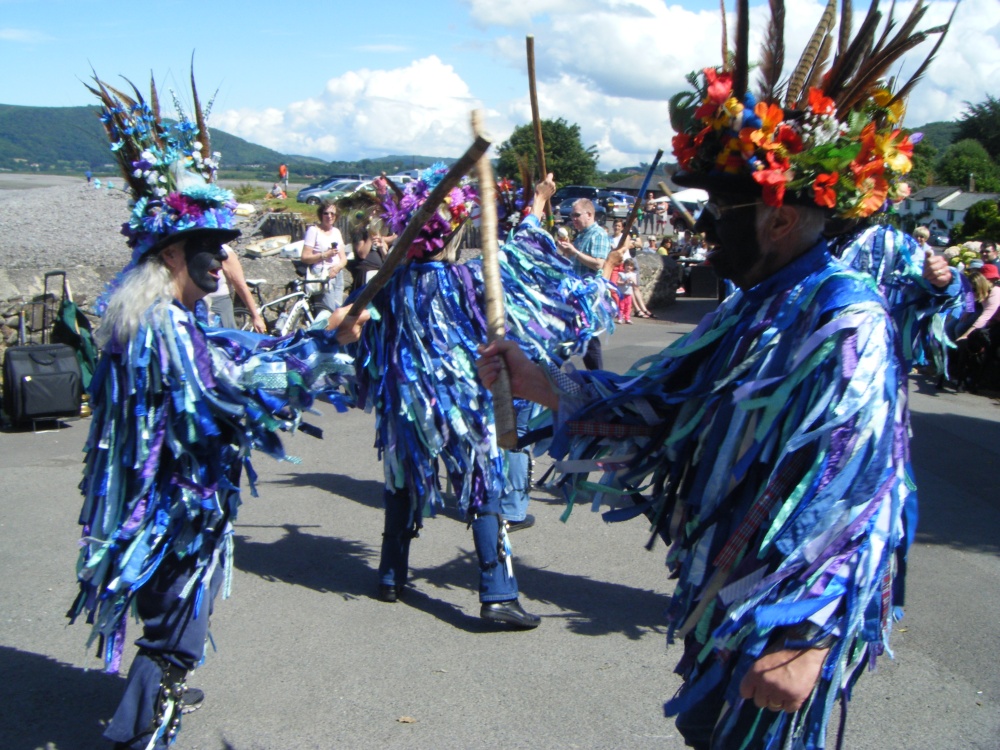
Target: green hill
x: 72, y: 139
x: 938, y: 134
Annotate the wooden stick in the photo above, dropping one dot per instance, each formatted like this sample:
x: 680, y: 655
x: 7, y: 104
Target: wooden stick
x: 451, y: 180
x: 536, y: 119
x: 496, y: 318
x: 615, y: 257
x: 680, y: 206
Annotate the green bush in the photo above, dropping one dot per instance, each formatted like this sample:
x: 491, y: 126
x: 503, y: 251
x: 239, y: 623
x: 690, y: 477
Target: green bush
x: 247, y: 193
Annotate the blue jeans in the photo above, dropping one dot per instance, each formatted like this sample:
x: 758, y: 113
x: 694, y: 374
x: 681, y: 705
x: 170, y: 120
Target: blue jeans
x: 514, y: 502
x: 495, y: 585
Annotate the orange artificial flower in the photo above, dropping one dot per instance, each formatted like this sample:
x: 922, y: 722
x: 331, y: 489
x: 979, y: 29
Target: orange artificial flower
x: 770, y: 116
x: 820, y: 104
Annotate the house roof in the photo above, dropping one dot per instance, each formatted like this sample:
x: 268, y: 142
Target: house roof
x: 633, y: 183
x: 965, y: 201
x: 935, y: 192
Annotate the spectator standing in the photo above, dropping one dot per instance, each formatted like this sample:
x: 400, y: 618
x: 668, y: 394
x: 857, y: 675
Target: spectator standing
x: 323, y: 252
x: 649, y: 214
x: 283, y: 176
x: 587, y: 251
x: 627, y: 282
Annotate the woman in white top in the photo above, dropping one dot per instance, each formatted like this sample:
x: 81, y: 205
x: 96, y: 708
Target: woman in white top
x: 323, y: 251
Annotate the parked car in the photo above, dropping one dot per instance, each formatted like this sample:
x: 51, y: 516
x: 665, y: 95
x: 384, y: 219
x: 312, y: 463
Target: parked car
x: 616, y: 204
x: 573, y: 192
x: 938, y: 239
x: 317, y: 192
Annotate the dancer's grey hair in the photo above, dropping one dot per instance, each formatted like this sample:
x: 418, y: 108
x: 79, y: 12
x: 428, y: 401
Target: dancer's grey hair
x: 150, y: 283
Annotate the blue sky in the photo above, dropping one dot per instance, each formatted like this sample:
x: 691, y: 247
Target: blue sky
x: 352, y: 79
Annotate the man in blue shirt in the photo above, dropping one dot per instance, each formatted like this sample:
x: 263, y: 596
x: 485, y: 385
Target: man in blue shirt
x: 587, y: 251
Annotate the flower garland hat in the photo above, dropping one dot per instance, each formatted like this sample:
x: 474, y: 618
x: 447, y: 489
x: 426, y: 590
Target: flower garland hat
x: 170, y: 171
x: 445, y: 227
x: 828, y: 136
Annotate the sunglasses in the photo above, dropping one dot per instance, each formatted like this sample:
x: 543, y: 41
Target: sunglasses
x: 716, y: 211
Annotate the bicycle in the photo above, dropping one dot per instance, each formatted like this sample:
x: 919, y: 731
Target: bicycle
x: 282, y: 315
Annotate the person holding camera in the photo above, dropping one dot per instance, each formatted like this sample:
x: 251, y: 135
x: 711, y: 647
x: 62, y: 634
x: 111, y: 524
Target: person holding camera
x: 323, y: 253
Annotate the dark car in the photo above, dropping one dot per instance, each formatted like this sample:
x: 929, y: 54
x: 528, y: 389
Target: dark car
x: 572, y: 192
x: 563, y: 210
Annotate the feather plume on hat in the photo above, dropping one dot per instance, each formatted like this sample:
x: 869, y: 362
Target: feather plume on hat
x: 169, y: 168
x: 830, y: 136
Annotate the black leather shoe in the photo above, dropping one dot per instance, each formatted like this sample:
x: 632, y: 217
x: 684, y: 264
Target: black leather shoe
x: 389, y: 593
x: 509, y: 613
x: 192, y: 700
x: 527, y: 523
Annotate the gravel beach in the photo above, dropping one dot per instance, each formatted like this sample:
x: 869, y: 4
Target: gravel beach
x: 54, y: 222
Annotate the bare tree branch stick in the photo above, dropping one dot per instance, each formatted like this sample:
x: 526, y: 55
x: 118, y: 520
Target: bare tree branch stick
x: 503, y: 402
x: 536, y: 119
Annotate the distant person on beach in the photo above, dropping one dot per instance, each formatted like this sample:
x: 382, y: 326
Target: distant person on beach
x: 89, y: 175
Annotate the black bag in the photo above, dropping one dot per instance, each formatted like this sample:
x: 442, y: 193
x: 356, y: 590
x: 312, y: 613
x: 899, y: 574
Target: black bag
x: 41, y: 382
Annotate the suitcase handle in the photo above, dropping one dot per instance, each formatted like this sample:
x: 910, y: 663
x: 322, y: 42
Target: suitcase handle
x: 46, y: 359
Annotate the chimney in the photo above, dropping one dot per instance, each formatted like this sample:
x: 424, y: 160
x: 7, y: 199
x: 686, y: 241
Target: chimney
x: 972, y: 182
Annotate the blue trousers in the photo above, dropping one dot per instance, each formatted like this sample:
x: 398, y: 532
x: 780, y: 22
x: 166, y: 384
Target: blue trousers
x: 174, y: 630
x: 495, y: 585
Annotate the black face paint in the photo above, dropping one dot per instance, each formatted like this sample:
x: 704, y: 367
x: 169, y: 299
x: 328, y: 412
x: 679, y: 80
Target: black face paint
x: 203, y: 256
x: 734, y: 235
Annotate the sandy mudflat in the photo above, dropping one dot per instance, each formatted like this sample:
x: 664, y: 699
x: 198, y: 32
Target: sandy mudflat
x: 12, y: 181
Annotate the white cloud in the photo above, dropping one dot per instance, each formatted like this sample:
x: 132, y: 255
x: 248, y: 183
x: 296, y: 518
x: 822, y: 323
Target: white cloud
x: 420, y: 109
x: 608, y: 65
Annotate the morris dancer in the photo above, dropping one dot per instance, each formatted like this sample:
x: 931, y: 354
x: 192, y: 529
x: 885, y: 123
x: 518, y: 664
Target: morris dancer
x: 773, y: 438
x: 415, y: 368
x: 177, y: 409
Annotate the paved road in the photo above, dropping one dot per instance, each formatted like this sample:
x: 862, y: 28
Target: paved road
x: 308, y: 659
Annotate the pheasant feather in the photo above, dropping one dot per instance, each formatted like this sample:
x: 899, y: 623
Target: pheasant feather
x: 809, y: 54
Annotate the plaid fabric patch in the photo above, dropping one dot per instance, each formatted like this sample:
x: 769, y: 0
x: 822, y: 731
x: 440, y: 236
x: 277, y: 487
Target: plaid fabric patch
x: 760, y: 510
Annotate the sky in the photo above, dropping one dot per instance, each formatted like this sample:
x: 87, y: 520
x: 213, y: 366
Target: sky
x: 349, y: 80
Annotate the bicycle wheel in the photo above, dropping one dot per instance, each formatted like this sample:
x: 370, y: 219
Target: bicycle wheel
x: 244, y: 320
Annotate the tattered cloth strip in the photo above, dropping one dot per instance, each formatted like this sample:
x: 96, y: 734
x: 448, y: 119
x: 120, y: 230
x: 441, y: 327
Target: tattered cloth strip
x: 896, y: 261
x: 777, y: 461
x: 176, y: 414
x: 416, y: 363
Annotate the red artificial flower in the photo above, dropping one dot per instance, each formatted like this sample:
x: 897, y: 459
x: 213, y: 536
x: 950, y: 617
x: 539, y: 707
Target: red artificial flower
x: 788, y: 137
x: 720, y: 85
x: 719, y: 89
x: 867, y: 140
x: 823, y: 189
x: 821, y: 105
x: 772, y: 183
x: 684, y: 149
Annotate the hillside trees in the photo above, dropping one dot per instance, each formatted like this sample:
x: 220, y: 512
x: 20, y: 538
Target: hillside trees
x: 966, y: 158
x: 981, y: 122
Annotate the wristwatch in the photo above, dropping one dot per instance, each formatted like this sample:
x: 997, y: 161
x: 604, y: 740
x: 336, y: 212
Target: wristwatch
x: 810, y: 635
